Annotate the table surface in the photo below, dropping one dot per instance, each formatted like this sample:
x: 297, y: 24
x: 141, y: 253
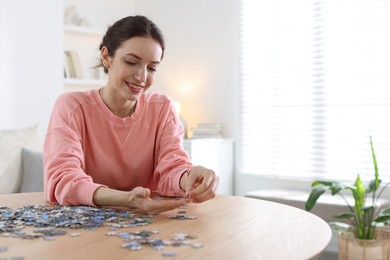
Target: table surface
x: 229, y: 227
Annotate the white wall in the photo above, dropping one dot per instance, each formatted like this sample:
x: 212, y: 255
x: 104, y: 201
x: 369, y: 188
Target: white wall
x: 200, y: 64
x: 101, y: 13
x: 31, y: 47
x: 31, y: 70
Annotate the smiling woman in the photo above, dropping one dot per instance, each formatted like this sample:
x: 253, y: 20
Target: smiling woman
x: 137, y: 57
x: 114, y: 146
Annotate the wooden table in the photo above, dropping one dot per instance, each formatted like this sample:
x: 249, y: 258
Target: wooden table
x: 229, y: 227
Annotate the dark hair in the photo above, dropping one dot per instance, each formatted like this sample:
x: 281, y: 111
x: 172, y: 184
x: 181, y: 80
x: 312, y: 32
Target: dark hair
x: 129, y: 27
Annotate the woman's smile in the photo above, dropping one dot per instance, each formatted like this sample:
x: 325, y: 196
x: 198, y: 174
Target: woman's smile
x: 134, y: 88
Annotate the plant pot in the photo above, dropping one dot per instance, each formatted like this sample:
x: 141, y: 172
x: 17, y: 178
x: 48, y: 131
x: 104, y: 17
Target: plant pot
x: 351, y: 248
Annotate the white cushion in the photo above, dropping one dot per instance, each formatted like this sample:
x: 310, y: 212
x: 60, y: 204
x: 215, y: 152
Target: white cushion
x: 11, y: 143
x: 32, y: 177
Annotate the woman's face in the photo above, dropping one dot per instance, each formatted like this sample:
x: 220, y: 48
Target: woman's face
x: 132, y: 69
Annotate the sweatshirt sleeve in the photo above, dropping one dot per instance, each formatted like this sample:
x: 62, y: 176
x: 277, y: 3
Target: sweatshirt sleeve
x: 65, y: 180
x: 172, y: 159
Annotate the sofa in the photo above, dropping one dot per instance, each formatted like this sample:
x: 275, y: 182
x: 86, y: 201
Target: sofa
x: 21, y: 161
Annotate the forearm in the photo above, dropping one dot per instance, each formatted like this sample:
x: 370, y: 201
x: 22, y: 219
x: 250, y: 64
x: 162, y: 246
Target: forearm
x: 109, y: 197
x: 138, y: 198
x: 172, y: 160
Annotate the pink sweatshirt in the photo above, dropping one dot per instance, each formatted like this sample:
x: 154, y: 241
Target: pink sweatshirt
x: 86, y: 147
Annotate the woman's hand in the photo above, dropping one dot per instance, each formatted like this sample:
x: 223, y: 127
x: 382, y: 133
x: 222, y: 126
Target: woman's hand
x: 138, y: 198
x: 201, y: 184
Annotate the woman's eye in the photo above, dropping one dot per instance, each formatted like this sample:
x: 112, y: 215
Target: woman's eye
x: 134, y: 63
x: 152, y: 69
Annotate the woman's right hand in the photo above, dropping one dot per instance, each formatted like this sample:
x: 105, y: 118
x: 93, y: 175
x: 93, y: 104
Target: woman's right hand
x: 138, y: 198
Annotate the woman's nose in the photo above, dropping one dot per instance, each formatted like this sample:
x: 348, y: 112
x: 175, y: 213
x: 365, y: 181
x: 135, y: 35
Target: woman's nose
x: 141, y: 74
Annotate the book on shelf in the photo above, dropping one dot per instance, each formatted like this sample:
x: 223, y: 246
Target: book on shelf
x: 67, y: 72
x: 203, y: 130
x: 72, y: 65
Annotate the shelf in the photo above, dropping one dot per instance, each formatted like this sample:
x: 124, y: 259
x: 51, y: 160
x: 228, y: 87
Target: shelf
x: 83, y: 41
x: 84, y: 82
x: 82, y: 30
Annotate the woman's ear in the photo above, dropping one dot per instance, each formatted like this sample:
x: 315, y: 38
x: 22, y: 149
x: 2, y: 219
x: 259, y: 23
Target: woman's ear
x: 105, y: 58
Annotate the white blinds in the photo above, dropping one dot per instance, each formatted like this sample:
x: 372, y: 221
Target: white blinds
x: 315, y: 84
x: 2, y: 65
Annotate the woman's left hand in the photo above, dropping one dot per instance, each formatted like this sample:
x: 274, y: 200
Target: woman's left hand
x: 201, y: 184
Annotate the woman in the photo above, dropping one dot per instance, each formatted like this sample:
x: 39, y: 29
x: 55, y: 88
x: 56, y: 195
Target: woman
x: 113, y: 146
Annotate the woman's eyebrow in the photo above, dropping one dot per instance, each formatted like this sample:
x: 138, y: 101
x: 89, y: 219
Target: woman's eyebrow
x: 139, y: 58
x: 133, y: 55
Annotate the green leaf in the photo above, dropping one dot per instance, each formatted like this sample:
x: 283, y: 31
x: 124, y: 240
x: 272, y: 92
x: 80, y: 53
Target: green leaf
x: 336, y: 187
x: 375, y: 166
x: 349, y: 187
x: 368, y: 209
x: 325, y: 183
x: 385, y: 212
x: 340, y: 227
x: 345, y: 215
x: 382, y: 218
x: 372, y: 185
x: 313, y: 197
x: 359, y: 194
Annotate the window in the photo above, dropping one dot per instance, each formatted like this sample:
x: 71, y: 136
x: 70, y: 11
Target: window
x: 315, y: 84
x: 2, y: 66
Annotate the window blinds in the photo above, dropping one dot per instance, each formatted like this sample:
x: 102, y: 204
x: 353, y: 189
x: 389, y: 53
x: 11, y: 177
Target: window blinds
x: 315, y: 84
x: 2, y: 65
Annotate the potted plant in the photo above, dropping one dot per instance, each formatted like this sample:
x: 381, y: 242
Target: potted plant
x: 359, y: 234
